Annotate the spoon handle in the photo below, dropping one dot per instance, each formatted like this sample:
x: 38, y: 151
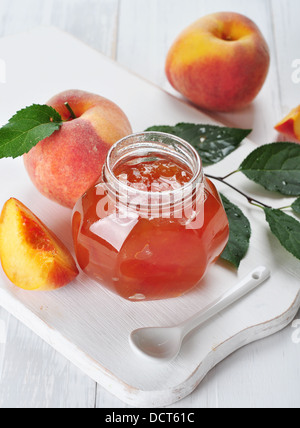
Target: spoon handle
x: 250, y: 282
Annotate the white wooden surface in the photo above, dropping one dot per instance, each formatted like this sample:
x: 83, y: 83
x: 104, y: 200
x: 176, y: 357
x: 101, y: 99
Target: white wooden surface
x: 138, y: 33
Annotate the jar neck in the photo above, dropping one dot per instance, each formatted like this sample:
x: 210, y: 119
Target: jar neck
x: 145, y: 147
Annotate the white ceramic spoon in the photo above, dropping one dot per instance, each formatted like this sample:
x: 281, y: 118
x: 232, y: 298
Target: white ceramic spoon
x: 164, y: 343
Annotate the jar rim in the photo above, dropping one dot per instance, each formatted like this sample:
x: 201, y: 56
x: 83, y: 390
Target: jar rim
x: 155, y: 136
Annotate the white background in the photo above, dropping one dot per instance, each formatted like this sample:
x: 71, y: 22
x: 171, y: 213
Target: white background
x: 138, y: 33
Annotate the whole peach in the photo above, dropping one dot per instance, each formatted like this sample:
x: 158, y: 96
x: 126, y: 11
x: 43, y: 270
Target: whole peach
x: 66, y: 164
x: 220, y: 62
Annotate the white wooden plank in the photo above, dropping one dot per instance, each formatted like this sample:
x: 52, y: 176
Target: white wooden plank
x: 287, y: 36
x: 81, y: 334
x: 92, y: 21
x: 33, y: 376
x: 63, y: 385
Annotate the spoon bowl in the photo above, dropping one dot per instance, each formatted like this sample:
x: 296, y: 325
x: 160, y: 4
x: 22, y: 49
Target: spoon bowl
x: 161, y: 343
x: 164, y: 343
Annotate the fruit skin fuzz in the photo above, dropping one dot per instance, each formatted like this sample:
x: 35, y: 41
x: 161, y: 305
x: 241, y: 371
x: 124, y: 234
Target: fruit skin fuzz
x: 66, y: 164
x: 220, y: 62
x: 32, y: 257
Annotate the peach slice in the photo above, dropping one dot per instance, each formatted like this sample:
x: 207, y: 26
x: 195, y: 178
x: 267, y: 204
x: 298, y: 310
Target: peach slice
x: 32, y: 257
x: 290, y: 125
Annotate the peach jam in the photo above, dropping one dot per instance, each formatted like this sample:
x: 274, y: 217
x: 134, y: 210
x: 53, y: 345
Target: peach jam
x: 154, y: 223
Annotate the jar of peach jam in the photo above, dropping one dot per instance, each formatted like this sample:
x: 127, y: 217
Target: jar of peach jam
x: 154, y: 223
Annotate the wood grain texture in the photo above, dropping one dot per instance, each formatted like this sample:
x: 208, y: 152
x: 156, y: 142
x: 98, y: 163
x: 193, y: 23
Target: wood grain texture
x: 32, y: 373
x: 92, y: 21
x: 138, y: 33
x: 286, y: 32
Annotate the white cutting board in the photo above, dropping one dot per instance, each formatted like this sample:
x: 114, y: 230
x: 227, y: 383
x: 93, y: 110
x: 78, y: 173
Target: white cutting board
x: 83, y: 321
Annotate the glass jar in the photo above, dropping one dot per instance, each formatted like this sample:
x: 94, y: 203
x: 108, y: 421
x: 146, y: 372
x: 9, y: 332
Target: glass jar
x: 154, y: 223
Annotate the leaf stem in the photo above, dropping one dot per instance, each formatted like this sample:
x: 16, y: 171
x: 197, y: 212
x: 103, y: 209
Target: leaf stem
x: 251, y: 200
x: 230, y: 174
x: 73, y: 115
x: 285, y: 208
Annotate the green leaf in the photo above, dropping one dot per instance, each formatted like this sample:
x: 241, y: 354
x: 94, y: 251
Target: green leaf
x: 296, y: 206
x: 213, y: 143
x: 239, y: 235
x: 286, y: 229
x: 276, y: 167
x: 26, y: 128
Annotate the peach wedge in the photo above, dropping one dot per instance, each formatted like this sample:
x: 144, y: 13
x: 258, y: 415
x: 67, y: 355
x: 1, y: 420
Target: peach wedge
x: 32, y: 257
x: 290, y: 125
